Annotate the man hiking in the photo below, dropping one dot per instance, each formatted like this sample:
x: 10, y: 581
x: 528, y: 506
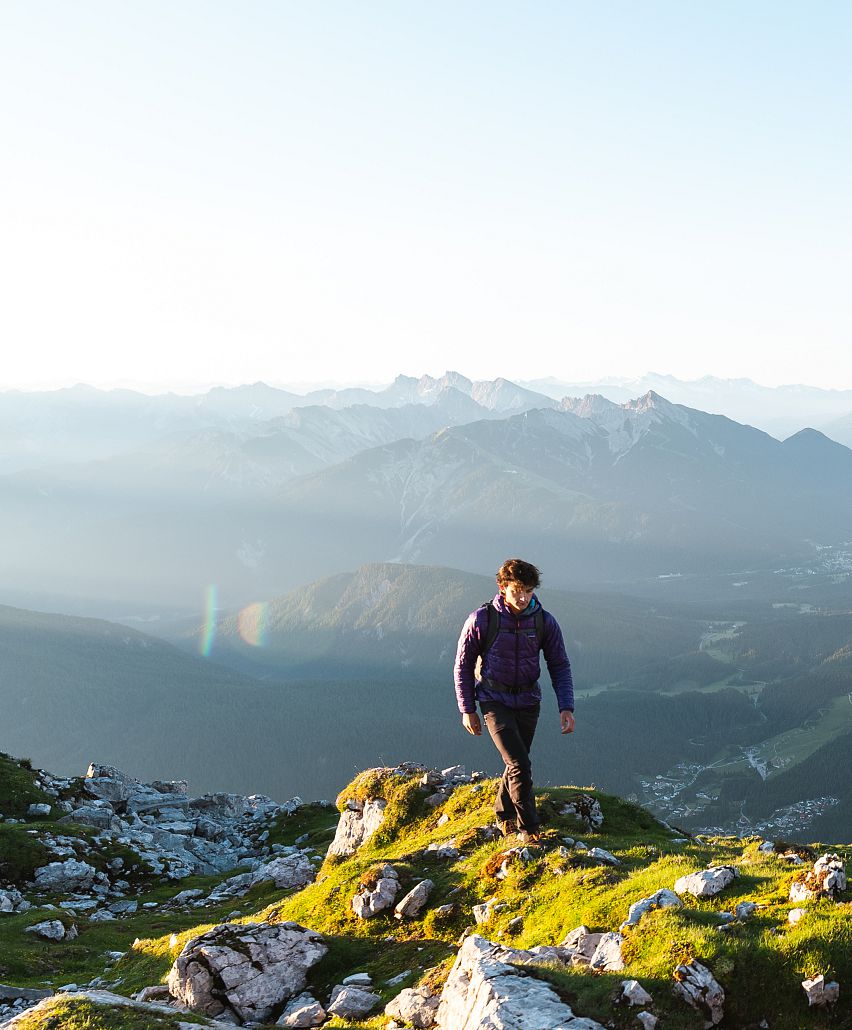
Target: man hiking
x: 497, y: 663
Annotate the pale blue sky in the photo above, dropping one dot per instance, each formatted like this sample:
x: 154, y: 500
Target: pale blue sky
x: 195, y: 192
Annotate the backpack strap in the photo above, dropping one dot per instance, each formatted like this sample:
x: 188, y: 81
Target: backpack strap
x: 492, y: 628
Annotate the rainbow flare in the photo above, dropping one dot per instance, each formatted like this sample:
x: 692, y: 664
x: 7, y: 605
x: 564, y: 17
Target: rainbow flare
x: 208, y: 633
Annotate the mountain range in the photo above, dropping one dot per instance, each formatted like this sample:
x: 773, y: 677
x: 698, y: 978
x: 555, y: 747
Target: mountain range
x: 612, y: 494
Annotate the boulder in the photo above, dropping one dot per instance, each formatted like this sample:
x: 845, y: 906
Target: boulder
x: 708, y: 882
x: 286, y: 872
x: 50, y: 930
x: 377, y: 894
x: 415, y: 1006
x: 102, y: 818
x: 244, y: 971
x: 350, y: 1002
x: 820, y: 994
x: 663, y: 898
x: 37, y: 810
x: 65, y: 877
x: 302, y: 1011
x: 357, y: 823
x: 648, y: 1020
x: 607, y: 957
x: 795, y: 915
x: 696, y: 985
x: 485, y: 990
x: 601, y: 855
x: 412, y: 904
x: 633, y: 993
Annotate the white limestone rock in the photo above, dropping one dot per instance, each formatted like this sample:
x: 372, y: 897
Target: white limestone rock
x: 827, y: 879
x: 607, y: 957
x: 633, y: 993
x: 350, y: 1002
x: 697, y: 986
x: 68, y: 877
x: 415, y: 1006
x: 287, y: 871
x: 38, y: 809
x: 358, y: 822
x: 303, y: 1011
x: 581, y: 945
x: 412, y: 904
x: 485, y: 991
x: 378, y: 896
x: 244, y: 971
x: 795, y: 915
x: 648, y: 1020
x: 708, y: 882
x: 821, y: 994
x: 12, y: 900
x: 663, y: 898
x: 603, y: 856
x: 49, y: 929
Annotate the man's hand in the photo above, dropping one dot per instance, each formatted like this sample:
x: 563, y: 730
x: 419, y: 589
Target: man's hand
x: 470, y: 721
x: 566, y: 720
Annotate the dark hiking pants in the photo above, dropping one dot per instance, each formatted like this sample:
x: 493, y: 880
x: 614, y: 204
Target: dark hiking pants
x: 512, y: 730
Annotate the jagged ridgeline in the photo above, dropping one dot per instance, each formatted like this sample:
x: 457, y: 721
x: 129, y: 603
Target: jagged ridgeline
x: 401, y: 906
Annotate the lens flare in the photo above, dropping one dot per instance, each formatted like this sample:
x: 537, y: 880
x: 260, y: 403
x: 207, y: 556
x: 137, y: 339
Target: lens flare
x: 208, y: 632
x: 251, y: 624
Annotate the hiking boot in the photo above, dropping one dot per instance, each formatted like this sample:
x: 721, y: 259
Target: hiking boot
x: 529, y: 837
x: 507, y: 828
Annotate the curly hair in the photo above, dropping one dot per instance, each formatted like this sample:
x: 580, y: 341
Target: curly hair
x: 515, y: 570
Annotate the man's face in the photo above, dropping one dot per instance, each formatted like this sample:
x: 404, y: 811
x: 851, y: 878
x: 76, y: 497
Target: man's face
x: 517, y: 596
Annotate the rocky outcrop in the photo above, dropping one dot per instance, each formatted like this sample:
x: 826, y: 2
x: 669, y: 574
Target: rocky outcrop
x: 66, y: 877
x: 358, y: 822
x: 486, y: 989
x: 827, y: 879
x: 697, y: 986
x: 243, y: 972
x: 377, y: 893
x: 708, y: 882
x: 286, y: 872
x: 12, y: 900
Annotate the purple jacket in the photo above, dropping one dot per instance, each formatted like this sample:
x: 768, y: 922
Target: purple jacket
x: 512, y: 660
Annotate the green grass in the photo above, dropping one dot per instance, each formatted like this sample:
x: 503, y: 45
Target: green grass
x: 80, y: 1014
x: 18, y: 789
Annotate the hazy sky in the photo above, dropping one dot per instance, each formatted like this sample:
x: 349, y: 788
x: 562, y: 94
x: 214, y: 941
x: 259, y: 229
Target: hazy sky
x: 198, y: 191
